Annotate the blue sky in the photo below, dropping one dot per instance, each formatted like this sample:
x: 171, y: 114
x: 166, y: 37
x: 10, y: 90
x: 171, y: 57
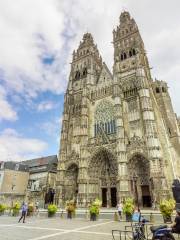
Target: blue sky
x: 36, y: 44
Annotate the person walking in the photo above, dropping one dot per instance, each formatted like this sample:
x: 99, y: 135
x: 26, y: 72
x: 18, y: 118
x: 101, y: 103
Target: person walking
x: 120, y: 208
x: 176, y: 224
x: 24, y: 212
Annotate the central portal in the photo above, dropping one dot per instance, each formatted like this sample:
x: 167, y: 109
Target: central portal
x: 103, y: 178
x: 139, y: 172
x: 113, y: 197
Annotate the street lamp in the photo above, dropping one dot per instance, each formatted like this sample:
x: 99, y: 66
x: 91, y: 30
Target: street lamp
x: 12, y: 188
x: 135, y: 189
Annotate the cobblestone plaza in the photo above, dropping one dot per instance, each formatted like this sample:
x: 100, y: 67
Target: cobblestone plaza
x: 37, y: 228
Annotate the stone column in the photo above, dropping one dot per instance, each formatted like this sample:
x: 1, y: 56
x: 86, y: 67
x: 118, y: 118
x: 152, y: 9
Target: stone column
x: 59, y: 197
x: 151, y: 136
x: 122, y: 181
x: 83, y: 168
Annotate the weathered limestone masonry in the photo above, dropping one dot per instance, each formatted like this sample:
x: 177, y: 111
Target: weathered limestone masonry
x: 120, y: 136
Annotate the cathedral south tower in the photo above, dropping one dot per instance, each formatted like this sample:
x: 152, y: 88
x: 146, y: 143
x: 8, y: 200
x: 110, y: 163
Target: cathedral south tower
x: 120, y: 135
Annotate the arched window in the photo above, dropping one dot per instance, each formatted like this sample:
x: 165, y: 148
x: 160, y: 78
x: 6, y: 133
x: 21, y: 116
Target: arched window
x: 163, y: 89
x: 106, y: 127
x: 85, y: 72
x: 109, y: 128
x: 124, y: 55
x: 130, y: 53
x: 77, y: 75
x: 157, y: 90
x: 134, y: 52
x: 95, y: 129
x: 169, y: 130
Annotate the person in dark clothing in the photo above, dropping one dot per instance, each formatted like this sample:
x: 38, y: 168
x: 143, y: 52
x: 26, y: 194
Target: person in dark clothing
x: 176, y: 225
x: 24, y: 212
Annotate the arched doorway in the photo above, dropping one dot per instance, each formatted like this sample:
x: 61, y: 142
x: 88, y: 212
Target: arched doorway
x: 103, y: 176
x: 71, y: 178
x: 139, y: 173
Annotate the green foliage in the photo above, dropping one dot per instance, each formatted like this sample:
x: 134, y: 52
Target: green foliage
x: 52, y: 209
x: 16, y: 208
x: 3, y: 207
x: 166, y: 207
x: 95, y: 207
x: 128, y: 206
x: 30, y: 207
x: 70, y: 206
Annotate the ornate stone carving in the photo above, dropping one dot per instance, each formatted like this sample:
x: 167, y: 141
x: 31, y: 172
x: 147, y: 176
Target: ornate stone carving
x: 136, y: 142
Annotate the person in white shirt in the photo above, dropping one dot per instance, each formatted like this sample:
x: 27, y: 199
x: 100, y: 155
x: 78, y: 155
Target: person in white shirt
x: 120, y: 208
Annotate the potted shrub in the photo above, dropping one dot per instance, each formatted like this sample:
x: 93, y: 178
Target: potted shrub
x: 2, y: 208
x: 94, y: 209
x: 70, y: 208
x: 16, y: 209
x: 128, y: 208
x: 166, y: 208
x: 52, y: 209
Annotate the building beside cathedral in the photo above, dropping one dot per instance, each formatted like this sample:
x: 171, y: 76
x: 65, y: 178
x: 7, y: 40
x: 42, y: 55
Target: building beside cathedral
x: 120, y: 136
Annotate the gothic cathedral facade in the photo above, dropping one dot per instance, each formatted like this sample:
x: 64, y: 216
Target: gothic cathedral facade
x: 120, y: 136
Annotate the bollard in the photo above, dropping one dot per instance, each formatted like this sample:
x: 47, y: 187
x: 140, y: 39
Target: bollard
x: 74, y: 214
x: 151, y: 218
x: 61, y: 214
x: 116, y: 217
x: 87, y: 214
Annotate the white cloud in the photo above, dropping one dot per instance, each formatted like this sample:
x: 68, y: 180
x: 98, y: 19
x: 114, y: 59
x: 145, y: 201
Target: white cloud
x: 52, y: 128
x: 6, y: 110
x: 29, y: 30
x: 33, y: 29
x: 15, y: 147
x: 46, y: 105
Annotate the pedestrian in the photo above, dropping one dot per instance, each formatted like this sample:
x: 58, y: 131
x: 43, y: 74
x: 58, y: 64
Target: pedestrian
x: 120, y: 208
x: 136, y: 217
x: 23, y: 212
x: 176, y: 224
x: 37, y: 206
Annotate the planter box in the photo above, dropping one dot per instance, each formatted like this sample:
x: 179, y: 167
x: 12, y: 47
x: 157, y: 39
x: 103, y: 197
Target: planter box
x: 69, y: 214
x: 30, y: 214
x: 128, y: 218
x: 50, y: 215
x: 167, y: 219
x: 93, y: 217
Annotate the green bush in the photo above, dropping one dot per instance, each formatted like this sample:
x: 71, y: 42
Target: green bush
x: 95, y: 207
x: 52, y: 209
x: 70, y: 206
x: 3, y: 207
x: 30, y: 208
x: 166, y: 207
x: 128, y: 206
x: 16, y: 209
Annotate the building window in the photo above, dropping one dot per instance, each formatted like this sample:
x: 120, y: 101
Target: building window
x: 77, y: 75
x: 157, y: 90
x: 163, y: 89
x: 85, y: 72
x: 169, y: 130
x: 134, y: 52
x: 124, y: 55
